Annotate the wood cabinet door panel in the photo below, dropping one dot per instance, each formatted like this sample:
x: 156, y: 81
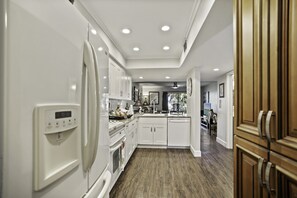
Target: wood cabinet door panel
x: 284, y: 175
x: 285, y: 140
x: 248, y: 69
x: 247, y: 157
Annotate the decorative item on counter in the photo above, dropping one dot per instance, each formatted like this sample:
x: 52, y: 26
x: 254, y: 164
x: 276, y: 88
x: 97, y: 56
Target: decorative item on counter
x: 119, y: 114
x: 137, y: 103
x: 131, y: 111
x: 127, y: 106
x: 145, y: 103
x: 140, y: 110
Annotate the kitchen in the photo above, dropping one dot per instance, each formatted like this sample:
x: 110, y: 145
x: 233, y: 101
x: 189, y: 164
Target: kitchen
x: 72, y: 72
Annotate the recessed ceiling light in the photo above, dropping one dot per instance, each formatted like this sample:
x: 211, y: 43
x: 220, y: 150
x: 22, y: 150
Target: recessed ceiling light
x: 126, y: 31
x: 167, y: 77
x: 140, y: 77
x: 100, y: 49
x: 216, y: 69
x: 104, y: 77
x: 166, y: 48
x: 165, y: 28
x: 94, y: 31
x: 136, y: 49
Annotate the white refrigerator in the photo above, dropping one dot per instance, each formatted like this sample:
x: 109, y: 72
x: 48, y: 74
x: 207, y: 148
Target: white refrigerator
x: 51, y: 57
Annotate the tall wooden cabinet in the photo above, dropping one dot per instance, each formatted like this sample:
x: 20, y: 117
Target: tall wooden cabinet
x: 265, y: 123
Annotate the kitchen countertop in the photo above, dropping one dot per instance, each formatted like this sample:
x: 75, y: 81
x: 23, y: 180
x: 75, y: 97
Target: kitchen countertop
x: 121, y: 123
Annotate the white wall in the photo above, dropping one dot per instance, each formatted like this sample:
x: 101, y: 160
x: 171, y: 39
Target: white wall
x: 212, y: 88
x: 193, y: 103
x: 224, y: 115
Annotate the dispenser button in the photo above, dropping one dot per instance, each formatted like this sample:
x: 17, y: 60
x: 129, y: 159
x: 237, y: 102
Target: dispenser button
x: 57, y: 124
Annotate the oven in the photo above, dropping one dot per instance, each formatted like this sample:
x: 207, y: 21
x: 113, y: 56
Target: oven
x: 117, y: 154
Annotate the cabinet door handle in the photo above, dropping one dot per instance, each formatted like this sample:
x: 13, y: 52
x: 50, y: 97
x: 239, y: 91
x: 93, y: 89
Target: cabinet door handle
x: 154, y: 129
x: 260, y: 166
x: 151, y: 129
x: 267, y: 177
x: 260, y: 123
x: 267, y: 125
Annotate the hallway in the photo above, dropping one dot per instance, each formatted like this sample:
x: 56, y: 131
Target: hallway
x: 166, y: 173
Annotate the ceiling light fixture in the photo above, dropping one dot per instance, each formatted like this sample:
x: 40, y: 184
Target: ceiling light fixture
x: 165, y: 28
x: 216, y: 69
x: 166, y: 48
x: 175, y: 85
x: 100, y: 49
x: 126, y: 31
x: 167, y: 77
x: 140, y: 77
x: 136, y: 49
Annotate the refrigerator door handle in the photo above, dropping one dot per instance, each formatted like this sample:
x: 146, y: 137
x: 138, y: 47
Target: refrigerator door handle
x: 95, y: 139
x: 89, y: 105
x: 107, y: 179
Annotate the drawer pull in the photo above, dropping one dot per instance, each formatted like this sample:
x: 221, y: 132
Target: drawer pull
x: 267, y: 178
x: 267, y: 125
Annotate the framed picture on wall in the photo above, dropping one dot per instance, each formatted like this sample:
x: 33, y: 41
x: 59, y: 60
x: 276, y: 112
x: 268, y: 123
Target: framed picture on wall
x: 154, y: 95
x: 221, y: 90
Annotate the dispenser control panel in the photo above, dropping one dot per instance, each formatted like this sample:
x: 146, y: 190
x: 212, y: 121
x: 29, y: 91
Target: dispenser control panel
x: 58, y: 118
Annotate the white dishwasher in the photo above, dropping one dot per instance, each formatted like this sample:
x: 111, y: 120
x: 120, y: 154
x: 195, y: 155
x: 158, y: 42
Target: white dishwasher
x: 179, y: 132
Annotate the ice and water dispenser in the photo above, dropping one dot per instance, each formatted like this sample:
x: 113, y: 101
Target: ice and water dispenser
x: 56, y: 142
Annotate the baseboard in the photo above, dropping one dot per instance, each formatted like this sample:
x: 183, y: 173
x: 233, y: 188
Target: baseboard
x: 222, y: 142
x: 196, y: 153
x: 151, y: 146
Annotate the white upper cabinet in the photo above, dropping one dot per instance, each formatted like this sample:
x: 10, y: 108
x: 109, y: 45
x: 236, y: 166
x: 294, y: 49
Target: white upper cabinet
x: 120, y: 84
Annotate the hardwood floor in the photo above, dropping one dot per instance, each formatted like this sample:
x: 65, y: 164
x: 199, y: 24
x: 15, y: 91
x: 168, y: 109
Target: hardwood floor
x: 176, y: 173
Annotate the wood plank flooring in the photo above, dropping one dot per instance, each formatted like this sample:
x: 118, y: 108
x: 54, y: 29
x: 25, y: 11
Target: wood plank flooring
x: 158, y: 173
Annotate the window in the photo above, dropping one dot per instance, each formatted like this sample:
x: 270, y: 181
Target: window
x: 177, y: 101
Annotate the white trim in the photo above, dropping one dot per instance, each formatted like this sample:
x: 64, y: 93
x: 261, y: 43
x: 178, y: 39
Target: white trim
x: 196, y: 153
x: 151, y: 146
x: 222, y: 142
x: 229, y: 109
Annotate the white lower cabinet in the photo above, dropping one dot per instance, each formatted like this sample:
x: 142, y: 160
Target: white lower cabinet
x: 152, y: 131
x: 131, y: 134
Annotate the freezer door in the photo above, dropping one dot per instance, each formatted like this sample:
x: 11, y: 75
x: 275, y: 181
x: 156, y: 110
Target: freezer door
x: 44, y: 65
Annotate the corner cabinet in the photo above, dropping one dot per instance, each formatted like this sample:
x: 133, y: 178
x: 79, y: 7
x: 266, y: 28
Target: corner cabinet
x: 152, y: 131
x: 120, y: 84
x: 265, y: 122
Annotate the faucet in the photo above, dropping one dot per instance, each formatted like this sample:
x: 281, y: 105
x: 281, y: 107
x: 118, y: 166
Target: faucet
x: 154, y: 106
